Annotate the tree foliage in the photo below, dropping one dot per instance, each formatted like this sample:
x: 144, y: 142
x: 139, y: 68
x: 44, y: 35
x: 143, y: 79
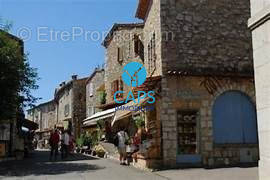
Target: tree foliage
x: 17, y: 78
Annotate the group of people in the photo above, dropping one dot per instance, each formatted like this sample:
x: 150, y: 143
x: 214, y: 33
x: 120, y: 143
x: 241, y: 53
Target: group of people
x: 122, y: 140
x: 64, y: 139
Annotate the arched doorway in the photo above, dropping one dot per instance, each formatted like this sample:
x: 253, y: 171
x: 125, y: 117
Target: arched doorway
x: 234, y: 119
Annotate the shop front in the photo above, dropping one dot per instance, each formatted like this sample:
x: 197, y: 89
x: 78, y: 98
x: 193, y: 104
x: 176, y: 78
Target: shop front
x: 209, y: 122
x: 144, y: 130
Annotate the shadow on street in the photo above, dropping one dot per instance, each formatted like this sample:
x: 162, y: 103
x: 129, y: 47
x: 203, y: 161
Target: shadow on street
x: 38, y: 163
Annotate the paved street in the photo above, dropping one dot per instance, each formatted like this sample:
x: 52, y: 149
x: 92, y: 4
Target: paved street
x: 79, y: 167
x: 38, y: 167
x: 213, y: 174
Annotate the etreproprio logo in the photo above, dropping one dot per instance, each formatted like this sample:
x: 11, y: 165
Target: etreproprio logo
x: 134, y: 74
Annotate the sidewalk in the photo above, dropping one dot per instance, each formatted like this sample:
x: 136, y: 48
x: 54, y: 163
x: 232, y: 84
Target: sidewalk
x: 213, y: 174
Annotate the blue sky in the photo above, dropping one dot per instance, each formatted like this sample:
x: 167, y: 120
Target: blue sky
x: 55, y: 58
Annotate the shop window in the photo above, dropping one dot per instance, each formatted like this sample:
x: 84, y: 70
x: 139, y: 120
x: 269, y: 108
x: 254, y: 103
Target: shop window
x: 187, y: 132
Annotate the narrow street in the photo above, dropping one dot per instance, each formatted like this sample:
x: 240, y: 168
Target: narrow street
x: 38, y: 167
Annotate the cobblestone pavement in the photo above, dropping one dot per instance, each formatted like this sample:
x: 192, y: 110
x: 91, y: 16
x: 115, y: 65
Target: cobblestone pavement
x: 38, y: 167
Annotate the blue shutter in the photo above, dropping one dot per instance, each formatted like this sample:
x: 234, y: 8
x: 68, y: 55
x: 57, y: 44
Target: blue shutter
x: 234, y: 119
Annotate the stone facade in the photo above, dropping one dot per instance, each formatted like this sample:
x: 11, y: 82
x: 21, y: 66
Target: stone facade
x: 208, y: 35
x: 259, y: 24
x: 121, y: 36
x: 94, y: 91
x: 152, y: 26
x: 193, y: 41
x: 188, y: 93
x: 44, y: 115
x: 70, y: 104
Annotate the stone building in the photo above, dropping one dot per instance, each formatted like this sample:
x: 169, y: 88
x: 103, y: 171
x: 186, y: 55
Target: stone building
x: 203, y: 51
x: 45, y: 116
x: 123, y: 44
x: 70, y: 105
x: 95, y: 91
x: 95, y: 95
x: 259, y: 25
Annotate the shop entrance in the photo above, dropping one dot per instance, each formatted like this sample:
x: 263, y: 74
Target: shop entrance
x: 188, y: 150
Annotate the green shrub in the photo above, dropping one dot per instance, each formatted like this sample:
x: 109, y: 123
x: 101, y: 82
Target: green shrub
x: 139, y: 121
x: 102, y: 97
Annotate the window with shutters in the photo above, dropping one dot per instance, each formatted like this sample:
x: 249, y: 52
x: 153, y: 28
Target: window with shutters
x: 66, y: 111
x: 117, y: 85
x: 151, y: 51
x: 121, y: 85
x: 138, y: 47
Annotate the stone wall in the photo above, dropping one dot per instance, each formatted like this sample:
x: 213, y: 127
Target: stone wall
x: 187, y: 93
x: 71, y: 104
x: 123, y: 38
x: 44, y: 115
x: 152, y: 25
x: 64, y: 104
x: 202, y: 37
x: 257, y: 6
x: 92, y: 101
x: 35, y: 116
x: 78, y: 106
x: 208, y: 36
x: 48, y: 118
x: 260, y: 11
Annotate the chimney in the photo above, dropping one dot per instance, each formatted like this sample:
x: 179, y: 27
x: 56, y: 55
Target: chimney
x: 74, y: 77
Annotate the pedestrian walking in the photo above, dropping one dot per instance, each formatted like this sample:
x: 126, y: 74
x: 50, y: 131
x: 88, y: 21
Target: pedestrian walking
x: 62, y: 137
x: 123, y: 138
x: 65, y: 145
x: 54, y: 140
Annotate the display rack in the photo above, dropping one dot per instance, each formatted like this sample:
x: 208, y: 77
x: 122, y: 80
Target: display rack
x: 187, y: 132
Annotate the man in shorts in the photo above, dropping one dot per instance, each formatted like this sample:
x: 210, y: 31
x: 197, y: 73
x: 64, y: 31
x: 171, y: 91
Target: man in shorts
x: 122, y: 143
